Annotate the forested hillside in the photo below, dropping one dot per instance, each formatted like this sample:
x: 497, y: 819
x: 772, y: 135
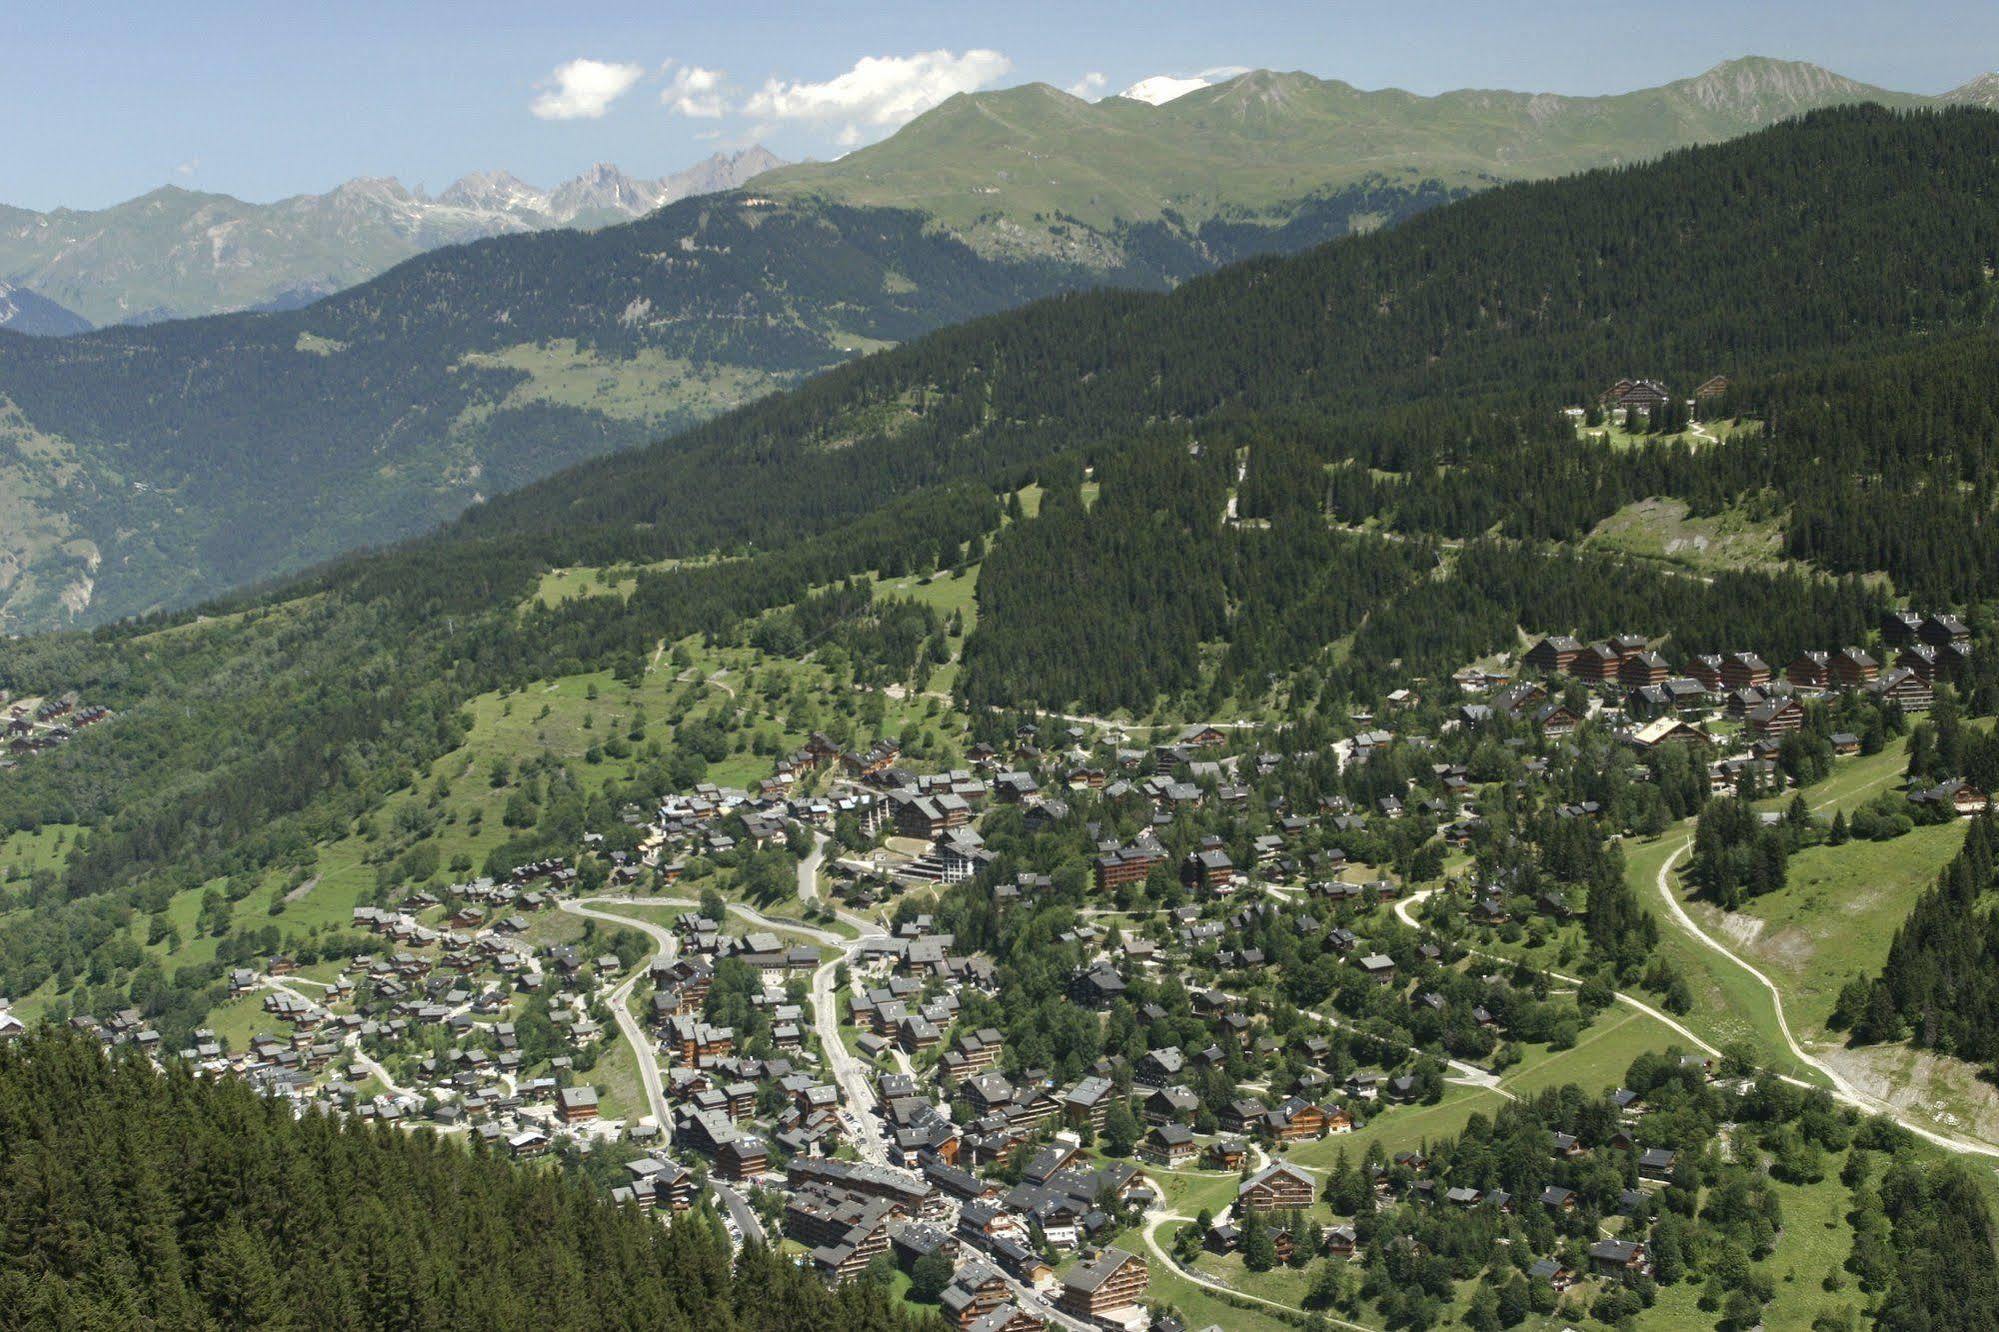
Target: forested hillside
x: 157, y: 465
x: 1409, y: 381
x: 190, y: 457
x: 131, y: 1198
x: 1487, y: 300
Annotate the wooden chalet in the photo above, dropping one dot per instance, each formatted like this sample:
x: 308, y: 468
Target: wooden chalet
x: 1643, y: 395
x: 1905, y: 689
x: 1779, y: 716
x: 1278, y: 1188
x: 1623, y: 1259
x: 1744, y: 670
x: 1940, y: 630
x: 1170, y: 1145
x: 1641, y: 669
x: 1810, y: 670
x: 1596, y: 663
x: 1922, y: 660
x: 1553, y: 655
x: 1900, y: 626
x: 1103, y: 1284
x: 1852, y: 667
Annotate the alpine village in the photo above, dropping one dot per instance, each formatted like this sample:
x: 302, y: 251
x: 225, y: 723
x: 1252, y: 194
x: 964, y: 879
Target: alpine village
x: 1414, y: 754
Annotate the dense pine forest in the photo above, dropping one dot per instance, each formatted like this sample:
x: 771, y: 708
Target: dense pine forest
x: 131, y: 1198
x: 1405, y: 385
x: 1883, y: 463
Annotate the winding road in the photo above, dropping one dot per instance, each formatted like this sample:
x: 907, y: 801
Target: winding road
x: 350, y: 1042
x: 868, y: 1133
x: 856, y: 1087
x: 731, y: 1199
x: 1841, y: 1088
x: 634, y: 1034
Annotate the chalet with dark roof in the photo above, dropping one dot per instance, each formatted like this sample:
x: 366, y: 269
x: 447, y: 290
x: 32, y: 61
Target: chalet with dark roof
x: 1277, y: 1188
x: 1904, y: 688
x: 1853, y: 667
x: 1553, y: 655
x: 1103, y: 1285
x: 1744, y: 670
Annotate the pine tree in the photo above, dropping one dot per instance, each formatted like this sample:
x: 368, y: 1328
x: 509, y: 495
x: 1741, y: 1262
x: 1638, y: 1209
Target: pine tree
x: 1259, y: 1250
x: 240, y: 1283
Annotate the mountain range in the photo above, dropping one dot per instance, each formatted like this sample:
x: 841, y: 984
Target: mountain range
x: 1035, y: 170
x: 1030, y: 171
x: 175, y: 253
x: 143, y: 468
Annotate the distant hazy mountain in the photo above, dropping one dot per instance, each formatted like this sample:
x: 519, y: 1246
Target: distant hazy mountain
x: 176, y: 252
x: 1036, y: 171
x: 22, y: 311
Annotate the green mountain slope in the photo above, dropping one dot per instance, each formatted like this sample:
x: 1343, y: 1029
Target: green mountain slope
x: 1037, y: 170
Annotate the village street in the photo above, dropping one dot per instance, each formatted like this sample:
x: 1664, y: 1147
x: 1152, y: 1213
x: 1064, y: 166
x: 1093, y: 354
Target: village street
x: 644, y: 1048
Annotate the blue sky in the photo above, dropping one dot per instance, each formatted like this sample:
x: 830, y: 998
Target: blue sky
x: 113, y: 98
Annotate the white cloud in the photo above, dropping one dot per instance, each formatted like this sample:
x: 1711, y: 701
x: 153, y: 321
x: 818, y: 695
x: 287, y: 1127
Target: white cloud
x: 1090, y: 86
x: 879, y: 92
x: 583, y: 89
x: 694, y: 91
x: 188, y: 168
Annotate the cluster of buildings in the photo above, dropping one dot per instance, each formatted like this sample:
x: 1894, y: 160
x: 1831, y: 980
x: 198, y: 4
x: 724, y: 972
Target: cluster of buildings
x: 963, y: 1150
x: 34, y: 726
x: 443, y: 1000
x: 1652, y: 701
x: 1281, y: 1193
x: 846, y: 1215
x: 1626, y: 399
x: 1925, y: 649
